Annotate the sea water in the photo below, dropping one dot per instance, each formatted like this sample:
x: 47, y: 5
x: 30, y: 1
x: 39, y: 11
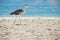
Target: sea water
x: 40, y: 8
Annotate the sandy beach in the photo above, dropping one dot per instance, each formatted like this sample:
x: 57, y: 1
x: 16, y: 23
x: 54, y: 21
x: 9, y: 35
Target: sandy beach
x: 30, y: 29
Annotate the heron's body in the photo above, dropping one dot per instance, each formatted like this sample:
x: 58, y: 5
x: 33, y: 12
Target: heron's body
x: 17, y: 12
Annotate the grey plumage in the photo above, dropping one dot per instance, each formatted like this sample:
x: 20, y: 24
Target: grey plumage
x: 17, y: 12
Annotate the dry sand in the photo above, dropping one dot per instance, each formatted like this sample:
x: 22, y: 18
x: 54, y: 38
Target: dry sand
x: 30, y: 29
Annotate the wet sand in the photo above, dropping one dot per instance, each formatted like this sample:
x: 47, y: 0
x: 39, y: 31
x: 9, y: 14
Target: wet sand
x: 30, y: 29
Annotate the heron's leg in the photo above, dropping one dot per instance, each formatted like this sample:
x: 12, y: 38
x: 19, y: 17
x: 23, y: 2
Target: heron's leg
x: 15, y: 19
x: 19, y: 20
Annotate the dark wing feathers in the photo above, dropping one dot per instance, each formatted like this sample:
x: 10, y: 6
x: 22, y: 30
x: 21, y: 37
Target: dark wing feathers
x: 17, y: 12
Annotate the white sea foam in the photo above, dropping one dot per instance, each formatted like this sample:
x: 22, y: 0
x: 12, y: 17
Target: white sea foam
x: 30, y: 17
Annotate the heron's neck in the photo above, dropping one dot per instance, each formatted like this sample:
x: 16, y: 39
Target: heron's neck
x: 25, y: 10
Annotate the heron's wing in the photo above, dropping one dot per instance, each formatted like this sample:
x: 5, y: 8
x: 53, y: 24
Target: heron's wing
x: 17, y: 12
x: 20, y: 10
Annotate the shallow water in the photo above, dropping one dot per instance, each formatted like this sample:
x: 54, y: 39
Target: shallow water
x: 48, y: 8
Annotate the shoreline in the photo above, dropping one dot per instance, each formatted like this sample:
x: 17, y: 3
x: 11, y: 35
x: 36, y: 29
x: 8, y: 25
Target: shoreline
x: 30, y: 17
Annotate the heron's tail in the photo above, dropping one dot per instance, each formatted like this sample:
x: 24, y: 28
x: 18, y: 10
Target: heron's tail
x: 11, y: 13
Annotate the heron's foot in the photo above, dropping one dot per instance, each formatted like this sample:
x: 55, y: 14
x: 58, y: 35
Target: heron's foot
x: 17, y: 24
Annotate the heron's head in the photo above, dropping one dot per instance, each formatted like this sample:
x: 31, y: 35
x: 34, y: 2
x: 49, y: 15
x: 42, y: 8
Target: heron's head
x: 27, y: 6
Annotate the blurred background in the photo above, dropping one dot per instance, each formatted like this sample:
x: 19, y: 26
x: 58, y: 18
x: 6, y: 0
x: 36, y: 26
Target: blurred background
x: 40, y: 8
